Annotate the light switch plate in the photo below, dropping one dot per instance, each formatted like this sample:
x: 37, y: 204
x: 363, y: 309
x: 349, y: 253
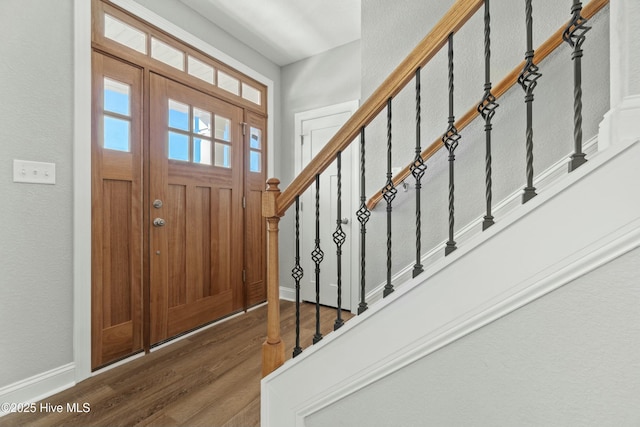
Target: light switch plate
x: 34, y: 172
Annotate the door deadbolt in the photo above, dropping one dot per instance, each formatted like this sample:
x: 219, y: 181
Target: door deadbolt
x: 159, y: 222
x: 157, y: 203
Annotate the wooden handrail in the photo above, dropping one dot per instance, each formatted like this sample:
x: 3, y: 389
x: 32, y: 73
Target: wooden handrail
x: 500, y: 89
x: 455, y: 18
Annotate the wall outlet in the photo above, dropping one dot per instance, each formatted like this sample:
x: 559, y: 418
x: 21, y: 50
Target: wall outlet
x: 34, y: 172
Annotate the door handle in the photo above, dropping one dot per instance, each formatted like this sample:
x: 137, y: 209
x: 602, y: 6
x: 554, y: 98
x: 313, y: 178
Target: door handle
x: 344, y: 220
x: 159, y: 222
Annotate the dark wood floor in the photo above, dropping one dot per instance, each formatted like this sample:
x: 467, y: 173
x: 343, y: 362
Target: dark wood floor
x: 208, y: 379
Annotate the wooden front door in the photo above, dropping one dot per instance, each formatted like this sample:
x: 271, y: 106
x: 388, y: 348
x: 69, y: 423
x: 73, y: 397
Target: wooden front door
x: 195, y: 202
x: 178, y: 239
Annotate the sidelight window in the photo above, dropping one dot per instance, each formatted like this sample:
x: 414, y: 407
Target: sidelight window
x: 116, y: 115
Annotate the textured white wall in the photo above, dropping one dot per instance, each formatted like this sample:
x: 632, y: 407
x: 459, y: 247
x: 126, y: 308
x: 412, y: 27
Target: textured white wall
x: 389, y: 32
x: 326, y: 79
x: 569, y: 361
x: 36, y: 112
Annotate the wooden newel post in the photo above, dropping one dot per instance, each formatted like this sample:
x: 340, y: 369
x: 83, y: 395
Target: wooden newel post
x: 273, y: 347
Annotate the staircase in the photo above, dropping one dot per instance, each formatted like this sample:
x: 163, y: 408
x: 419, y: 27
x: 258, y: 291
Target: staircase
x: 527, y: 322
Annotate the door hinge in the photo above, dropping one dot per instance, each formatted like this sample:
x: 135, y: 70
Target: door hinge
x: 244, y: 128
x: 244, y: 202
x: 244, y: 276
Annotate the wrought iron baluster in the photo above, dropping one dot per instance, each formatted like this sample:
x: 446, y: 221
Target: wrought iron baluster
x: 574, y: 34
x: 297, y: 274
x: 528, y: 79
x: 363, y: 216
x: 487, y: 109
x: 418, y: 168
x: 389, y: 193
x: 450, y: 140
x: 317, y: 256
x: 339, y: 238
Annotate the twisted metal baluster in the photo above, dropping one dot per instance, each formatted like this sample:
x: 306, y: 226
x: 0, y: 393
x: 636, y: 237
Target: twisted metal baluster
x: 574, y: 34
x: 487, y: 109
x: 363, y: 216
x: 297, y: 274
x: 450, y: 140
x: 418, y: 168
x: 389, y: 193
x: 339, y: 238
x: 317, y: 256
x: 528, y: 79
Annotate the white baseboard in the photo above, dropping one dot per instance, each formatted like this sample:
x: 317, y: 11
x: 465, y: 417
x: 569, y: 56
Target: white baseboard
x: 38, y: 387
x: 287, y: 294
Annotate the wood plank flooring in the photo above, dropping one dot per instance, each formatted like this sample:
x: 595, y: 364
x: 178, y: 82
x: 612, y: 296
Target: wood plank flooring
x: 209, y: 379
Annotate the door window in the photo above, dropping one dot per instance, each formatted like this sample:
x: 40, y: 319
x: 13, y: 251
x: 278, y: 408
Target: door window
x: 116, y: 115
x: 190, y: 136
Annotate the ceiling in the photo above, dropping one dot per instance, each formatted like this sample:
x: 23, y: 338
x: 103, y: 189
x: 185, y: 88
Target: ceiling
x: 285, y: 31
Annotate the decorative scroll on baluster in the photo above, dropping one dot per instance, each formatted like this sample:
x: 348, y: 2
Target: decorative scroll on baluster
x: 418, y: 168
x: 487, y: 109
x: 297, y: 274
x: 317, y: 256
x: 450, y: 140
x: 389, y: 193
x: 528, y: 79
x: 575, y: 36
x: 363, y: 215
x: 339, y: 238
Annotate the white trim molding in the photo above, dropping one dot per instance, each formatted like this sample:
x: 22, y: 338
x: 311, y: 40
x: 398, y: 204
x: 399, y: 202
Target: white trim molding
x: 621, y: 123
x: 38, y: 387
x: 82, y: 190
x: 287, y: 293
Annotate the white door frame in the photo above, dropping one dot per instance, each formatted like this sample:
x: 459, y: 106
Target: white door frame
x: 350, y: 107
x: 82, y: 158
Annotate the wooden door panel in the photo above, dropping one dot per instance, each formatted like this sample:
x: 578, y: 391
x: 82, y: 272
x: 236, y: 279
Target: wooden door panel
x: 116, y: 221
x: 176, y: 217
x: 116, y: 253
x: 255, y: 233
x: 187, y: 317
x: 255, y: 256
x: 200, y: 258
x: 196, y: 271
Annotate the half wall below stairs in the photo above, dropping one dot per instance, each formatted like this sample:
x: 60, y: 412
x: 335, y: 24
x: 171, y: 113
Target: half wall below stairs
x: 480, y: 339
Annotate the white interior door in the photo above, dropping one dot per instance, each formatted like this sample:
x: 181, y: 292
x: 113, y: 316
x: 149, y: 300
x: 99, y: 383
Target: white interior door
x: 314, y: 129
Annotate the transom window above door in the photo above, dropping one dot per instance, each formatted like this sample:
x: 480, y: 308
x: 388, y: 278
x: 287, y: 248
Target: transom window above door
x: 198, y: 136
x: 144, y: 41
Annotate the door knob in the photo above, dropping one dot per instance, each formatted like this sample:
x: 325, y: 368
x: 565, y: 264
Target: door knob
x: 159, y: 222
x: 345, y: 220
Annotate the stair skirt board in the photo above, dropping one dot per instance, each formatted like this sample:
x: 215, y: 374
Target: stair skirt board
x: 542, y: 181
x: 377, y: 353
